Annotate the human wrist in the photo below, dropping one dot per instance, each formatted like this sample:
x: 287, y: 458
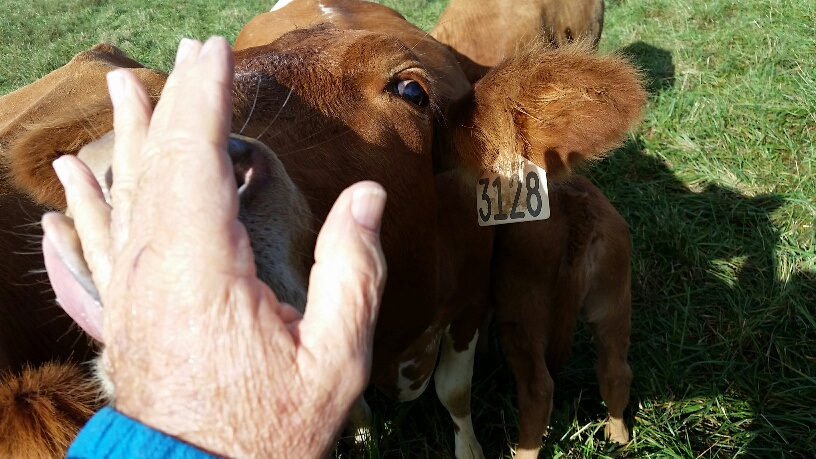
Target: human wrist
x: 297, y: 432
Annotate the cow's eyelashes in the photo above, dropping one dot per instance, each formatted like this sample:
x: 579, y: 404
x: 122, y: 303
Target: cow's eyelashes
x: 409, y: 90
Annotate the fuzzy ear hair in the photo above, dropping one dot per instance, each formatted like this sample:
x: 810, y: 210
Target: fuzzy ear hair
x: 59, y: 114
x: 556, y: 107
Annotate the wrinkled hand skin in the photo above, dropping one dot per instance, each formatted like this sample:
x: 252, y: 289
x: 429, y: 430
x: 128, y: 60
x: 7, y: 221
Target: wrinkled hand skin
x: 197, y: 346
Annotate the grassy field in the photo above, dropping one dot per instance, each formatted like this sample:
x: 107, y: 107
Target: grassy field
x: 718, y: 186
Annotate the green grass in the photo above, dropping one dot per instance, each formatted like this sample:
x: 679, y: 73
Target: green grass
x: 718, y: 186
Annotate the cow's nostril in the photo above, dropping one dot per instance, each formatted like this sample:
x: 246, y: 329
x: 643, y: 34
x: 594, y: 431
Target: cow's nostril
x: 239, y: 150
x: 240, y: 153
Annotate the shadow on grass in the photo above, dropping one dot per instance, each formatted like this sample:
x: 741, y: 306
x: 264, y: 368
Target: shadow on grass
x: 656, y: 63
x: 720, y: 353
x: 714, y: 332
x: 721, y: 348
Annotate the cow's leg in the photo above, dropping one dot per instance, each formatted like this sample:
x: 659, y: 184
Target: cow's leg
x: 416, y: 366
x: 407, y: 376
x: 609, y: 315
x: 524, y: 352
x: 452, y: 378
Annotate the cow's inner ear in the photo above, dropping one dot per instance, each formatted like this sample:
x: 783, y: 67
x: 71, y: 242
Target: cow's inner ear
x: 555, y: 107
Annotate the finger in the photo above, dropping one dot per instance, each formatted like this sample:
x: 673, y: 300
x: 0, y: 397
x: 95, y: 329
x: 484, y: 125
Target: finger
x: 131, y: 119
x: 90, y: 212
x: 288, y: 314
x: 346, y: 282
x: 190, y: 126
x: 196, y: 104
x: 69, y: 275
x: 186, y: 56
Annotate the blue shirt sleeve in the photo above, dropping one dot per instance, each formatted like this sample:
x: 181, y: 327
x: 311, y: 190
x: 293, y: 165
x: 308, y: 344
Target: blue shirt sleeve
x: 111, y: 434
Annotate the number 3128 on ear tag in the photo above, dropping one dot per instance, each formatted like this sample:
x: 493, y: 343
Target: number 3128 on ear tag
x: 521, y: 197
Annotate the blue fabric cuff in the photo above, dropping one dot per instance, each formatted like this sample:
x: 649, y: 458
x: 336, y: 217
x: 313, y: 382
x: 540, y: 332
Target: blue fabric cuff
x: 111, y: 434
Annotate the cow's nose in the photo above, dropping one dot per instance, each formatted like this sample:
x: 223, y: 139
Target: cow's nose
x: 239, y: 150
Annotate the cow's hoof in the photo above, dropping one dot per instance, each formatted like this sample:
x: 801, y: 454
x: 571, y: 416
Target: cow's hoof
x: 616, y: 431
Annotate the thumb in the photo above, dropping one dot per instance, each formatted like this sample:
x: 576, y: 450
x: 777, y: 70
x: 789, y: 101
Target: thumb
x: 346, y: 282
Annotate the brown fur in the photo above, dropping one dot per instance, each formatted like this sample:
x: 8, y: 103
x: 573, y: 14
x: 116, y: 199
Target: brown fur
x: 556, y: 107
x: 33, y: 328
x: 42, y: 118
x: 43, y: 409
x: 45, y: 404
x: 545, y: 275
x: 481, y: 33
x: 318, y: 91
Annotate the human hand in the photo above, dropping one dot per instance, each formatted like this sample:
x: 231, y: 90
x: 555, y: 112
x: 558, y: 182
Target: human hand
x: 197, y: 346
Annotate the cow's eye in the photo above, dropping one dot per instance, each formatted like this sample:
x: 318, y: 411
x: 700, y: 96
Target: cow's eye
x: 409, y: 90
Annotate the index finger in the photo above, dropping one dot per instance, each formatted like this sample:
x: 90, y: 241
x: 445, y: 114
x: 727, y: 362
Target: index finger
x: 196, y: 103
x: 184, y: 172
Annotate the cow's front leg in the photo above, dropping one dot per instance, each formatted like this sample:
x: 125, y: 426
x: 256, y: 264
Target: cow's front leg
x: 453, y: 384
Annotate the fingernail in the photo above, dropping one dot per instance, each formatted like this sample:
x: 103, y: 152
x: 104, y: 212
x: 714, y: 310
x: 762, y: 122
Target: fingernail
x: 367, y: 204
x: 116, y: 86
x: 213, y: 44
x: 184, y: 48
x: 63, y: 170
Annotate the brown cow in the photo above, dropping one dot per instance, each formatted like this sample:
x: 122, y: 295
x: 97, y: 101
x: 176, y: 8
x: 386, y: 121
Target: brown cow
x: 545, y: 275
x: 481, y: 33
x: 540, y: 289
x: 343, y: 91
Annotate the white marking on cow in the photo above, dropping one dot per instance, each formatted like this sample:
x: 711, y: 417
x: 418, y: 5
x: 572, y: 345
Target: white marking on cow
x: 281, y: 4
x: 453, y: 383
x: 406, y: 393
x: 328, y: 11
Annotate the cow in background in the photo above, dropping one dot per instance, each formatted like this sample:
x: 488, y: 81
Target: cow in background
x: 482, y: 33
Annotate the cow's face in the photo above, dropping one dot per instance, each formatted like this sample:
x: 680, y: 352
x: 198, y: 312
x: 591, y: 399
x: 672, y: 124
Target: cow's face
x: 338, y: 106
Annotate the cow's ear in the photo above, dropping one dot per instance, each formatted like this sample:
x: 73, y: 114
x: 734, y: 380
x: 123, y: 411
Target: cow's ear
x: 555, y: 107
x: 59, y: 114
